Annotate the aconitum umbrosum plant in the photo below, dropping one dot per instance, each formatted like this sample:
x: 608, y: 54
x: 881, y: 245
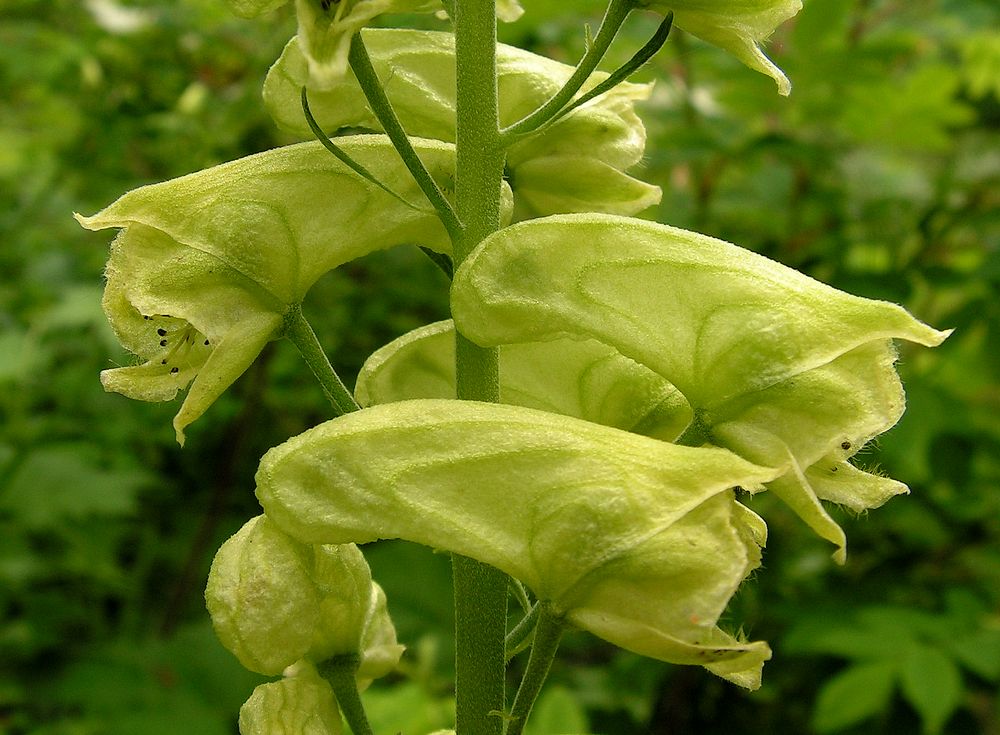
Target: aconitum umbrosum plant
x: 580, y: 432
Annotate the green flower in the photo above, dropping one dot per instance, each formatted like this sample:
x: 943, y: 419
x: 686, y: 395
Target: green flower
x: 275, y: 601
x: 577, y: 164
x: 585, y: 379
x: 209, y: 265
x: 636, y: 540
x: 779, y: 368
x: 738, y: 26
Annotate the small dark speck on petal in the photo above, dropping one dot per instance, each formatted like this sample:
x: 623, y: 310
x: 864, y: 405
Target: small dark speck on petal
x: 845, y: 445
x: 161, y: 331
x: 174, y: 370
x: 163, y: 343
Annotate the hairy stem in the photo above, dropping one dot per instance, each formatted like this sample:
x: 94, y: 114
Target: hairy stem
x: 548, y: 632
x: 480, y: 590
x: 361, y: 65
x: 301, y: 333
x: 340, y: 673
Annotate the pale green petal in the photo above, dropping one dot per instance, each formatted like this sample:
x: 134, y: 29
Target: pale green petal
x: 580, y: 378
x: 518, y: 489
x: 776, y: 366
x: 738, y: 26
x: 417, y: 69
x: 231, y: 357
x: 300, y: 704
x: 209, y: 264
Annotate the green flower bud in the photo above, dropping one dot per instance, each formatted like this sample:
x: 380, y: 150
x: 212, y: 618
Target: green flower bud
x: 736, y: 26
x: 785, y: 371
x: 275, y: 600
x: 300, y: 704
x: 666, y: 545
x: 264, y: 604
x: 576, y: 164
x: 585, y: 379
x: 209, y: 265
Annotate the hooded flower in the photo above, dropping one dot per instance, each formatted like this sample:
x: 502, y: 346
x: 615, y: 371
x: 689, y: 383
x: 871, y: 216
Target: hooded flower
x: 208, y: 265
x: 582, y: 378
x: 779, y: 368
x: 738, y: 26
x: 577, y: 164
x: 636, y: 540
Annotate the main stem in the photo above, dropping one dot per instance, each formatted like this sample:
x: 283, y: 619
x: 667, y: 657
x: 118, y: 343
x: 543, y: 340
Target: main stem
x: 480, y: 590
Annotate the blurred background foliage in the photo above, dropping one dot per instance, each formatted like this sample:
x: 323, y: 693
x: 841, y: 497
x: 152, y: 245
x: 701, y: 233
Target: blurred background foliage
x: 879, y: 175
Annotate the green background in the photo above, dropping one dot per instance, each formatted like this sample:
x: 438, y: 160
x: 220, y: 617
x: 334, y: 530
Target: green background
x: 879, y: 175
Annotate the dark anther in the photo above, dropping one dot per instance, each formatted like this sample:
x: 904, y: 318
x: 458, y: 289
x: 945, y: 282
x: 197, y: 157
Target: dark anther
x: 845, y: 445
x: 174, y: 370
x: 161, y: 331
x: 163, y: 343
x: 163, y: 361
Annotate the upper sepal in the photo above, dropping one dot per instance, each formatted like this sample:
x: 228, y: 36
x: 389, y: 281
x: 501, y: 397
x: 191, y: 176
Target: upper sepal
x: 666, y: 545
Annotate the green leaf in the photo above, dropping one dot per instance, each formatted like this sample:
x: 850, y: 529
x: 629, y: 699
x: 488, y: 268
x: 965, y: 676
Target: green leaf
x: 56, y: 485
x: 557, y: 713
x: 932, y: 683
x: 777, y: 367
x: 575, y: 165
x: 854, y: 695
x: 407, y: 708
x: 209, y: 264
x: 517, y: 488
